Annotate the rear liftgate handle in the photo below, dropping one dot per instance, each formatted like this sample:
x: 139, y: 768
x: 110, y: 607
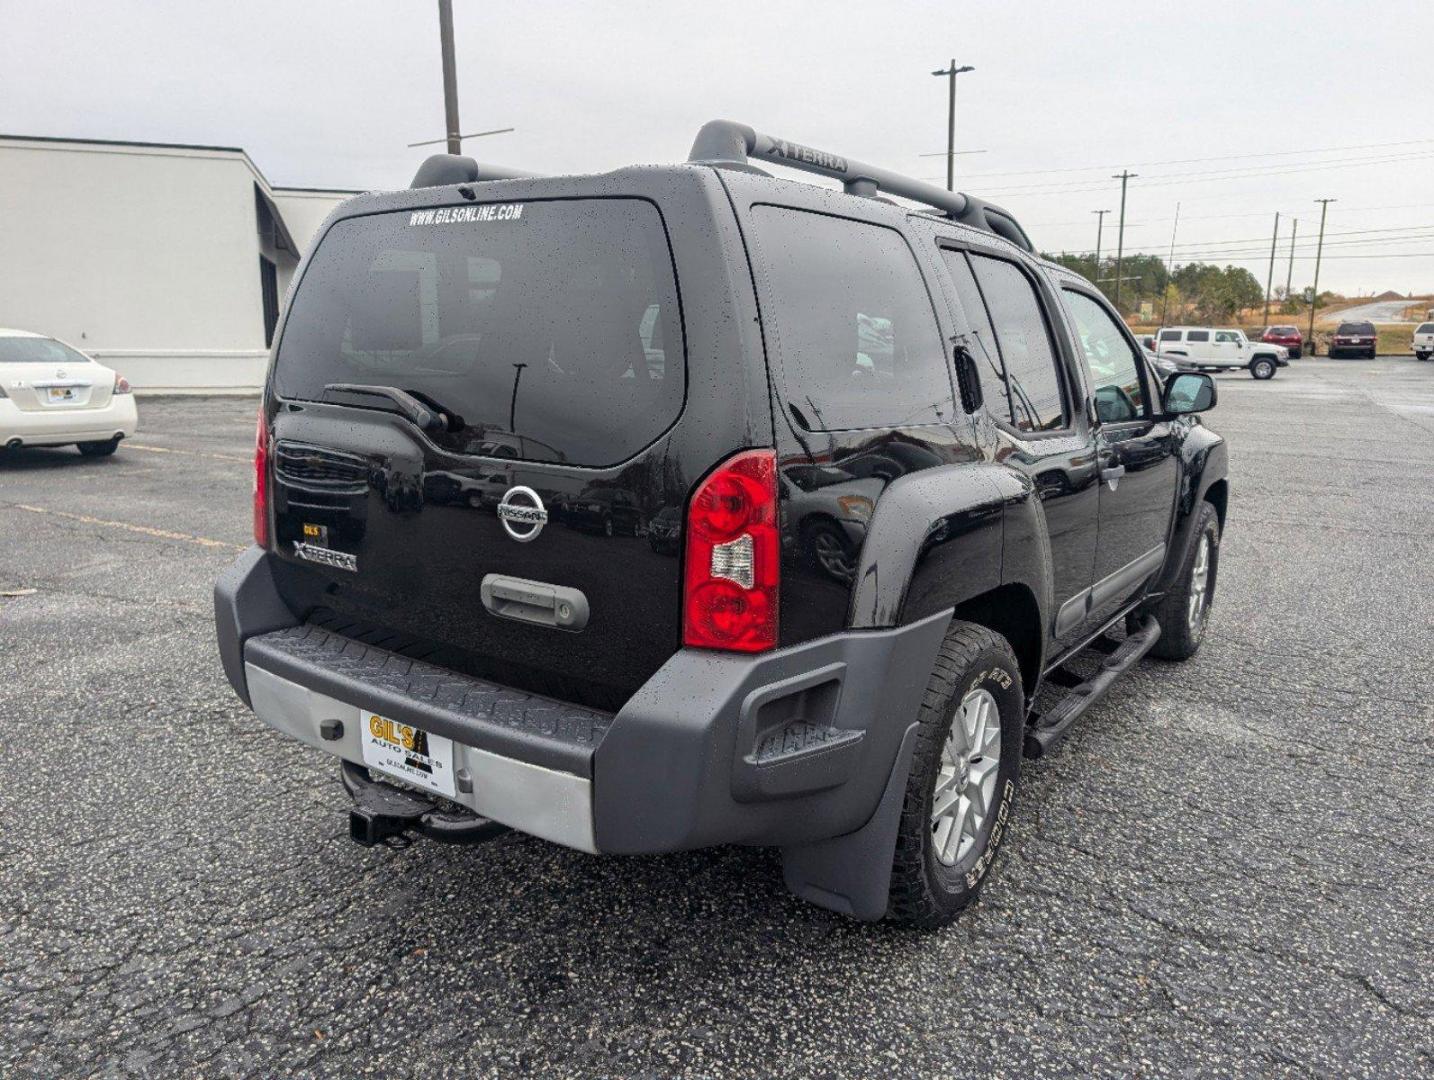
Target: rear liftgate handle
x: 534, y: 602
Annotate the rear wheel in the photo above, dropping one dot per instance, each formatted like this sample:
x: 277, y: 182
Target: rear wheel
x: 99, y: 449
x: 1421, y: 356
x: 1184, y: 611
x: 964, y: 772
x: 1262, y: 368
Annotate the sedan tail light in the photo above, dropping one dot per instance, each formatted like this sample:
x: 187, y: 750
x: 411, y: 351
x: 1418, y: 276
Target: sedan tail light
x: 261, y: 482
x: 121, y: 384
x: 732, y: 574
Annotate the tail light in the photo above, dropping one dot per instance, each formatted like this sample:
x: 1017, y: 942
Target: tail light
x: 261, y: 482
x: 732, y: 573
x: 121, y: 384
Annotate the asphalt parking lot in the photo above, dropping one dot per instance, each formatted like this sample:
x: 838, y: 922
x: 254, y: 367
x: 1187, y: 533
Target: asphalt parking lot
x: 1227, y: 870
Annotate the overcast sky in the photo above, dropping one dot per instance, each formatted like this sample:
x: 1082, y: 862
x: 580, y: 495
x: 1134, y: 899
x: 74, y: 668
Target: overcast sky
x: 1336, y: 99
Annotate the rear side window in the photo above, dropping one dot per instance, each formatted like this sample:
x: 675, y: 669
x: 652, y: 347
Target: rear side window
x: 1197, y: 335
x: 549, y: 328
x: 1033, y: 381
x: 852, y: 322
x: 979, y: 337
x: 1170, y: 335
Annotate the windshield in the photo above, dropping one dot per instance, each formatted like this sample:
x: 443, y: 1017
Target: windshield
x: 37, y: 350
x: 550, y: 329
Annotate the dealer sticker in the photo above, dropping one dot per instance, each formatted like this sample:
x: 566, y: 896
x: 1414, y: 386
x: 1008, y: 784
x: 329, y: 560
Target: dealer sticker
x: 455, y: 215
x: 408, y: 753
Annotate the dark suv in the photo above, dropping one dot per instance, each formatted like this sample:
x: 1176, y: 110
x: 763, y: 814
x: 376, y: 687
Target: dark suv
x: 1355, y: 339
x: 929, y: 499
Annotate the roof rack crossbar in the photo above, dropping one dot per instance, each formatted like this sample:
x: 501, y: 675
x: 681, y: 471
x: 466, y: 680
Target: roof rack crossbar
x: 439, y: 170
x: 725, y: 142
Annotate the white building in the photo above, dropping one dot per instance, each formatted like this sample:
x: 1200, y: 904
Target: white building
x: 165, y: 262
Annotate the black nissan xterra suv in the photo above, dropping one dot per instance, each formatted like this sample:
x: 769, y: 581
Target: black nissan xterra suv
x: 915, y: 499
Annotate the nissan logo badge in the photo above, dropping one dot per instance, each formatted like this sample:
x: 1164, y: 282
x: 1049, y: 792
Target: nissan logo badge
x: 522, y: 514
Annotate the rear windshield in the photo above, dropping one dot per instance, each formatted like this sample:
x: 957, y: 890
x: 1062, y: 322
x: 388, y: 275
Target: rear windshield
x: 549, y: 328
x: 1283, y: 331
x: 1355, y: 328
x: 37, y: 350
x: 1426, y: 328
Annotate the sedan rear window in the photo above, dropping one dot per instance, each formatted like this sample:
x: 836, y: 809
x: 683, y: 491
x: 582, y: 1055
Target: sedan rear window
x: 549, y: 328
x: 37, y: 350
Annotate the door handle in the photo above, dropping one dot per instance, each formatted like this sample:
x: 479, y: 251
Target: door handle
x: 1112, y: 475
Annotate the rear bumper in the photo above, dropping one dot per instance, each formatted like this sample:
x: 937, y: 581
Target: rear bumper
x: 782, y: 748
x: 56, y: 427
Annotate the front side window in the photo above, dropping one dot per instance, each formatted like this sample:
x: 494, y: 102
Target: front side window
x: 1114, y: 367
x: 1226, y: 337
x: 1033, y: 379
x: 1198, y: 335
x: 852, y: 322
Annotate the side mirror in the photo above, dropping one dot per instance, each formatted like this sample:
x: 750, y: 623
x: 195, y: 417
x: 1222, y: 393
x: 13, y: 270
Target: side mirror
x: 1188, y: 392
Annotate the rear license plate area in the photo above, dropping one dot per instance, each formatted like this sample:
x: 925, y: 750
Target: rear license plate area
x: 407, y: 753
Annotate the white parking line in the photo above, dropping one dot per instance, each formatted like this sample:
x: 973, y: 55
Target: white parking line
x: 145, y: 530
x: 187, y: 453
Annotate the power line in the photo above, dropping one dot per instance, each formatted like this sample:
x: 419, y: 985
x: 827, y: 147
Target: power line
x: 1193, y: 161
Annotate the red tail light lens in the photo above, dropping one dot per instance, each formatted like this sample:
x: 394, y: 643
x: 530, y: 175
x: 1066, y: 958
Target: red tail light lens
x: 261, y: 483
x: 121, y: 384
x: 733, y: 547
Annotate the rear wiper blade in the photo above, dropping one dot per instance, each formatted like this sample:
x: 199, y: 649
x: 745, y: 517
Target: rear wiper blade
x: 410, y: 407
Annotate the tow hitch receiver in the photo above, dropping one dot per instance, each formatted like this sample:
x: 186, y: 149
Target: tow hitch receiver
x: 382, y: 813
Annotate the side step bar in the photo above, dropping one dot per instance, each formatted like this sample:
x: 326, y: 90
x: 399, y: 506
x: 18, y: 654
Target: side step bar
x: 1050, y: 728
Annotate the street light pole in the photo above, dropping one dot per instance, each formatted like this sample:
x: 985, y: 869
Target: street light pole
x: 1319, y: 251
x: 1270, y: 277
x: 1125, y: 176
x: 951, y: 73
x: 450, y: 75
x: 1099, y: 228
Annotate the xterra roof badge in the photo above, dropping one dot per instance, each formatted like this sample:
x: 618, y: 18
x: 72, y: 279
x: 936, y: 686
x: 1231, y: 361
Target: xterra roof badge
x: 522, y: 513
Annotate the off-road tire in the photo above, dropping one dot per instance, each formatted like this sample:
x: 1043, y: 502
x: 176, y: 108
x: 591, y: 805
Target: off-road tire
x: 1178, y: 639
x: 1262, y: 368
x: 924, y: 892
x: 98, y: 449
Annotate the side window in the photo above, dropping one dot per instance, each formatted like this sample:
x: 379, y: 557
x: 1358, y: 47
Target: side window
x: 1197, y: 335
x: 1114, y: 366
x: 1226, y: 337
x: 979, y: 338
x: 1032, y: 377
x: 1170, y: 335
x: 853, y: 322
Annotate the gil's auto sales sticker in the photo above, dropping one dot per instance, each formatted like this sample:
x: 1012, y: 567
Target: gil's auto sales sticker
x: 407, y: 753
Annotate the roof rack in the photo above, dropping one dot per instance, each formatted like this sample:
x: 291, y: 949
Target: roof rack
x: 724, y: 142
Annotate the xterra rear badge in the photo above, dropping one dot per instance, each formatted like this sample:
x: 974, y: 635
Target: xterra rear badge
x: 522, y: 513
x: 339, y: 560
x: 451, y: 215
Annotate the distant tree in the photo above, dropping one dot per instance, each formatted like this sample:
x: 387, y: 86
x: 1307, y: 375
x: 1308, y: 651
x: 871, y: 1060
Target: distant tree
x: 1215, y: 293
x: 1144, y: 275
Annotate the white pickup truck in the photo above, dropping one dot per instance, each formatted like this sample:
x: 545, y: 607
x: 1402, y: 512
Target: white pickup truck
x: 1208, y: 348
x: 1424, y: 341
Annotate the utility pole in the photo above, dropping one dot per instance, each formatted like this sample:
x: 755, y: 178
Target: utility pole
x: 1170, y: 267
x: 1125, y: 176
x: 1270, y: 277
x: 450, y: 76
x: 1319, y: 251
x: 1099, y: 228
x: 951, y: 73
x: 1290, y: 273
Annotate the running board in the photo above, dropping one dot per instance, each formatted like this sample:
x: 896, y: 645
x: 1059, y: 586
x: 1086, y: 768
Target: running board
x: 1048, y: 729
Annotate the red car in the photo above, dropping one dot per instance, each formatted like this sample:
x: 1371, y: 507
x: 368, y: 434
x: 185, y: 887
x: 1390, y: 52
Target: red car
x: 1288, y: 336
